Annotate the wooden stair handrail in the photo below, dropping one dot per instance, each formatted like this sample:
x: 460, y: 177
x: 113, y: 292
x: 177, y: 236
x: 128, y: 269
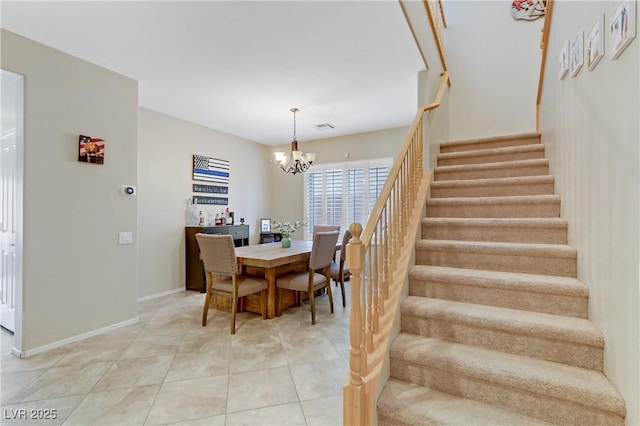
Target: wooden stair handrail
x: 435, y: 29
x: 546, y: 30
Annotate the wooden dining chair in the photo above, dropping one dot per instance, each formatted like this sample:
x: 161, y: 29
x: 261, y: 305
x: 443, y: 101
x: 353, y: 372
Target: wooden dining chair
x: 310, y: 281
x: 339, y: 271
x: 218, y: 253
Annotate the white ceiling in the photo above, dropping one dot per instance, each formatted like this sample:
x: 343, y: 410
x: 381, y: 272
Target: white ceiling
x: 239, y: 66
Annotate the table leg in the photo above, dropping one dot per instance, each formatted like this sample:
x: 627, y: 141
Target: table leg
x: 270, y: 276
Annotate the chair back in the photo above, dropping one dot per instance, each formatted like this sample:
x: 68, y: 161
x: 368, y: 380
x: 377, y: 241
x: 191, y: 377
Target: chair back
x: 343, y: 248
x: 324, y: 246
x: 325, y: 228
x: 218, y: 253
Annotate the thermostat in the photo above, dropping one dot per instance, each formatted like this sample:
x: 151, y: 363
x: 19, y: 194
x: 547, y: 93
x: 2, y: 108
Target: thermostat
x: 128, y: 190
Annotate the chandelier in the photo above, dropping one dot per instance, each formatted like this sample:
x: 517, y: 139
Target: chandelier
x: 297, y: 161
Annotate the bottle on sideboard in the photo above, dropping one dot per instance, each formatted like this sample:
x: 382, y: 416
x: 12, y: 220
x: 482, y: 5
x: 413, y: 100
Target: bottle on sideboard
x: 229, y: 217
x: 201, y: 219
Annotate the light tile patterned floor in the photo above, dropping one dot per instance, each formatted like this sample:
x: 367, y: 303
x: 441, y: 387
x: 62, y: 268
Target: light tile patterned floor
x: 168, y: 369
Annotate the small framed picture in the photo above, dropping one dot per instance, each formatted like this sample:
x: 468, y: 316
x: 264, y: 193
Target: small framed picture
x: 622, y: 27
x: 90, y: 150
x: 265, y: 225
x: 563, y: 61
x: 576, y: 54
x: 595, y: 43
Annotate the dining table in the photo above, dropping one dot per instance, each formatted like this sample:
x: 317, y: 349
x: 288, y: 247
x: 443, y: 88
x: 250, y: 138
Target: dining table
x: 270, y: 261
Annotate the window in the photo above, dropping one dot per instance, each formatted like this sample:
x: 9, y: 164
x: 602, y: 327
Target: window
x: 342, y: 193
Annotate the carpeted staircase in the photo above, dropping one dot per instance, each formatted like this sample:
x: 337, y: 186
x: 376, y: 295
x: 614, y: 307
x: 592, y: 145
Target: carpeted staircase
x: 495, y: 329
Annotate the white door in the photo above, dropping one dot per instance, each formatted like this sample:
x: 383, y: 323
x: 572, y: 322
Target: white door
x: 11, y: 91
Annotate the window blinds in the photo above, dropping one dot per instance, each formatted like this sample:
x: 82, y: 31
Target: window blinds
x: 340, y: 194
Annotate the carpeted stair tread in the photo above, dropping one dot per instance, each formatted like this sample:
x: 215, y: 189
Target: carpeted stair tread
x: 491, y: 151
x: 405, y: 403
x: 543, y: 222
x: 494, y: 141
x: 510, y: 206
x: 549, y: 294
x: 507, y: 229
x: 568, y: 329
x: 564, y: 382
x: 518, y: 199
x: 491, y: 155
x: 494, y: 187
x: 550, y: 259
x: 519, y: 180
x: 548, y: 284
x: 444, y: 171
x: 499, y: 248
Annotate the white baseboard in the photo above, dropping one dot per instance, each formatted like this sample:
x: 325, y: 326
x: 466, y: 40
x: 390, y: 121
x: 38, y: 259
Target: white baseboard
x: 164, y: 293
x: 73, y: 339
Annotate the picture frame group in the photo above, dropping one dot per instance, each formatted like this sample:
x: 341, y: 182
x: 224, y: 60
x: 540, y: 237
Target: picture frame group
x: 614, y: 34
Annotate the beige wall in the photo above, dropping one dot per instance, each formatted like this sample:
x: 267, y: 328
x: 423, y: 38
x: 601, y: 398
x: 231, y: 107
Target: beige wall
x: 494, y: 63
x: 76, y: 278
x: 165, y: 149
x: 590, y: 130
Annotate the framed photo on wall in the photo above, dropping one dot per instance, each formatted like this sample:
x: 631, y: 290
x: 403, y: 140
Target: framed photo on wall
x: 90, y: 150
x: 622, y: 27
x: 576, y: 54
x: 265, y: 225
x: 563, y: 61
x: 595, y: 43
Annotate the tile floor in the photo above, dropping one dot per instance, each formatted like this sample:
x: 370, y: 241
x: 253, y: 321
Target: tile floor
x: 168, y: 369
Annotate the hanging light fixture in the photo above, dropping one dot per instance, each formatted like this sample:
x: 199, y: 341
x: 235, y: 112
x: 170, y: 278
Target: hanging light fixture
x: 297, y: 161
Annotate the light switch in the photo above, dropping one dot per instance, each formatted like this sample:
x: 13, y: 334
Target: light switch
x: 125, y: 238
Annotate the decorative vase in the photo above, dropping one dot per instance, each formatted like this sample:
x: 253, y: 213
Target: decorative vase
x: 286, y: 242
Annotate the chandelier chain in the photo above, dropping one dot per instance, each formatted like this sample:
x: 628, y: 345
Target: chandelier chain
x: 294, y: 110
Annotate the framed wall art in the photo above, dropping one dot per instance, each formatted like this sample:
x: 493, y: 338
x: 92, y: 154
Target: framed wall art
x: 210, y: 189
x: 216, y: 201
x: 91, y: 150
x: 576, y: 54
x: 211, y: 169
x: 595, y: 43
x: 563, y: 61
x: 622, y: 27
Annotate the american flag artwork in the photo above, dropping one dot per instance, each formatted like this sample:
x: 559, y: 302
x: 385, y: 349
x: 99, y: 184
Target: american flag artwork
x: 210, y: 169
x: 91, y: 150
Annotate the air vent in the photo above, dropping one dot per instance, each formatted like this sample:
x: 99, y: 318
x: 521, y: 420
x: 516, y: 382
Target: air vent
x: 324, y: 126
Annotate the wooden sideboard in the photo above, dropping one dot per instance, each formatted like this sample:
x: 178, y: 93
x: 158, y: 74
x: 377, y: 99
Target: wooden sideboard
x: 195, y: 279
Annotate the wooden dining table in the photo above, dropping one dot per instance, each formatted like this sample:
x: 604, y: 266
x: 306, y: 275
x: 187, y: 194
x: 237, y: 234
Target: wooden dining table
x: 270, y: 261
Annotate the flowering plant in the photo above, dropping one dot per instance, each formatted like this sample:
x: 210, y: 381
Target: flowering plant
x: 287, y: 228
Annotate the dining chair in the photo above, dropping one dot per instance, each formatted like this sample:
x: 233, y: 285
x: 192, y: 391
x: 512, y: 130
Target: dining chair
x: 339, y: 271
x: 310, y: 281
x: 325, y: 228
x: 218, y: 253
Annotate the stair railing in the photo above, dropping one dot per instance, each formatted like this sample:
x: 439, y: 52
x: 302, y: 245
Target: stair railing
x: 544, y: 45
x: 435, y: 14
x: 378, y: 258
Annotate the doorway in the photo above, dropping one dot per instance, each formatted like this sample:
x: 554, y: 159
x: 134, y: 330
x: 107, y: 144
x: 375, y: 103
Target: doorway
x: 11, y: 166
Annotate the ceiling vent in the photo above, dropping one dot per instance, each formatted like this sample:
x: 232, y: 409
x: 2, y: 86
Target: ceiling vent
x: 324, y: 126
